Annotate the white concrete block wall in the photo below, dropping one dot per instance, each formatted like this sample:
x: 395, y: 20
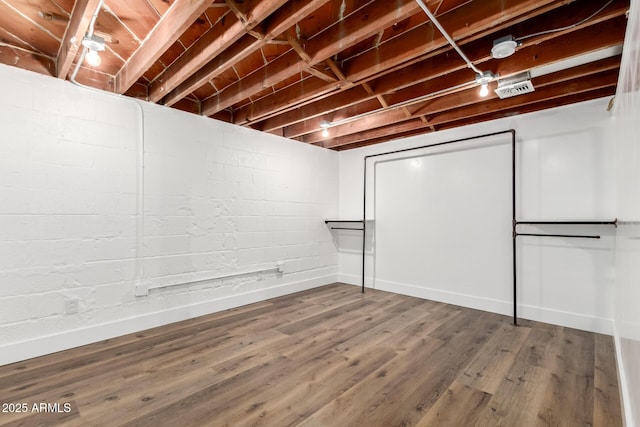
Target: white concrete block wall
x: 217, y: 199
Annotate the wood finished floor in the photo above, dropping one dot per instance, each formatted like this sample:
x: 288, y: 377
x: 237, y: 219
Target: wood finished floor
x: 328, y: 357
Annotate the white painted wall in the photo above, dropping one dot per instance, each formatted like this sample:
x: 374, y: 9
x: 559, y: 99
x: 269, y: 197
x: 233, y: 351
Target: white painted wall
x: 218, y: 199
x: 626, y: 140
x: 462, y: 253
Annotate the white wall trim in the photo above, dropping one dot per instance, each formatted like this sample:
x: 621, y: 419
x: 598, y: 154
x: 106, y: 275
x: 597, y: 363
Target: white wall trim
x: 623, y: 386
x: 19, y: 351
x: 538, y: 314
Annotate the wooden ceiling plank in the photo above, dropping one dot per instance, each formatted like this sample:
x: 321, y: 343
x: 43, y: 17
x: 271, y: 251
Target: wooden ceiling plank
x: 468, y: 104
x: 169, y: 28
x: 579, y: 85
x: 399, y: 128
x: 222, y: 36
x: 221, y: 63
x: 11, y: 39
x: 28, y: 60
x: 416, y: 39
x: 419, y: 40
x: 276, y: 25
x: 325, y: 106
x: 12, y: 21
x: 396, y: 131
x: 477, y: 50
x: 346, y: 33
x: 579, y: 42
x: 537, y: 106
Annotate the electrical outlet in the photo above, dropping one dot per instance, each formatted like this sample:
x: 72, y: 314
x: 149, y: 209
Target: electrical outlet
x: 71, y: 306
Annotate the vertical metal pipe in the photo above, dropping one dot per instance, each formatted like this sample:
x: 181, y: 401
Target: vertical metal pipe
x: 513, y: 225
x: 364, y: 220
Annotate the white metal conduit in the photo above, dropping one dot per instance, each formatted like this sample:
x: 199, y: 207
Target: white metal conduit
x: 446, y: 35
x: 141, y: 288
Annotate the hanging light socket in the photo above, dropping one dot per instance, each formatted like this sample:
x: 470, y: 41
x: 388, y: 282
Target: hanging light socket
x: 94, y: 44
x: 325, y: 125
x: 483, y: 80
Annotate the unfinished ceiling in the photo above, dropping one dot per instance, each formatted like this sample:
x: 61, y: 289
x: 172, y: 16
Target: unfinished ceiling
x: 368, y: 71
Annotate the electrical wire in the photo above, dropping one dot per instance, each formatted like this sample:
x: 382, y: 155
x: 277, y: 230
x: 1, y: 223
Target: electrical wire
x: 568, y: 27
x: 446, y: 35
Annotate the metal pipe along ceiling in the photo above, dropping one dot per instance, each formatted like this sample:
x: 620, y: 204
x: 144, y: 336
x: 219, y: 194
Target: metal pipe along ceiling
x: 448, y: 37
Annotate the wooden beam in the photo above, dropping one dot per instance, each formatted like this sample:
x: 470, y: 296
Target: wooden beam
x: 585, y: 40
x: 171, y: 25
x: 319, y: 109
x: 276, y: 25
x: 349, y: 32
x: 456, y: 112
x: 413, y: 44
x: 215, y: 41
x: 412, y: 128
x: 472, y: 19
x: 81, y: 15
x: 297, y: 47
x: 412, y: 72
x: 322, y: 75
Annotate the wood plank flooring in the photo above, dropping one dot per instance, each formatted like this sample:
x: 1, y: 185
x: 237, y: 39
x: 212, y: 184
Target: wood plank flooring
x: 326, y: 357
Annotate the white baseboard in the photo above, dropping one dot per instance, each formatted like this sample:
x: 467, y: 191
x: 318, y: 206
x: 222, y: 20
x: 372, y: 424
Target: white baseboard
x: 463, y: 300
x: 623, y: 385
x: 19, y: 351
x: 539, y: 314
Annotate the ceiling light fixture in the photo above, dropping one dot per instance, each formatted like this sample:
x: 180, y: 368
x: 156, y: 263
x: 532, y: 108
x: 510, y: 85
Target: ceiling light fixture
x: 483, y: 80
x: 94, y: 44
x: 482, y: 77
x: 325, y: 125
x: 504, y: 47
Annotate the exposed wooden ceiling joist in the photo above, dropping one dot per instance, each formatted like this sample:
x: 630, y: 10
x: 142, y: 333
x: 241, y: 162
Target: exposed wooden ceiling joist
x: 581, y: 41
x: 413, y: 44
x: 376, y: 69
x: 213, y: 43
x: 284, y: 18
x: 347, y: 33
x: 549, y: 88
x: 78, y: 24
x: 178, y: 18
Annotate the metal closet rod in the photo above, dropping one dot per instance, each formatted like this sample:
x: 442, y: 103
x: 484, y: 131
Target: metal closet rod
x: 602, y: 222
x: 575, y: 236
x: 346, y: 221
x: 513, y: 199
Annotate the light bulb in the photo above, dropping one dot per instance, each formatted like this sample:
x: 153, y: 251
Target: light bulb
x: 484, y: 90
x: 93, y: 58
x: 325, y: 133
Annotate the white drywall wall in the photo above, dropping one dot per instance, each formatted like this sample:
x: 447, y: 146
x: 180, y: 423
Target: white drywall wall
x: 626, y: 140
x: 565, y: 171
